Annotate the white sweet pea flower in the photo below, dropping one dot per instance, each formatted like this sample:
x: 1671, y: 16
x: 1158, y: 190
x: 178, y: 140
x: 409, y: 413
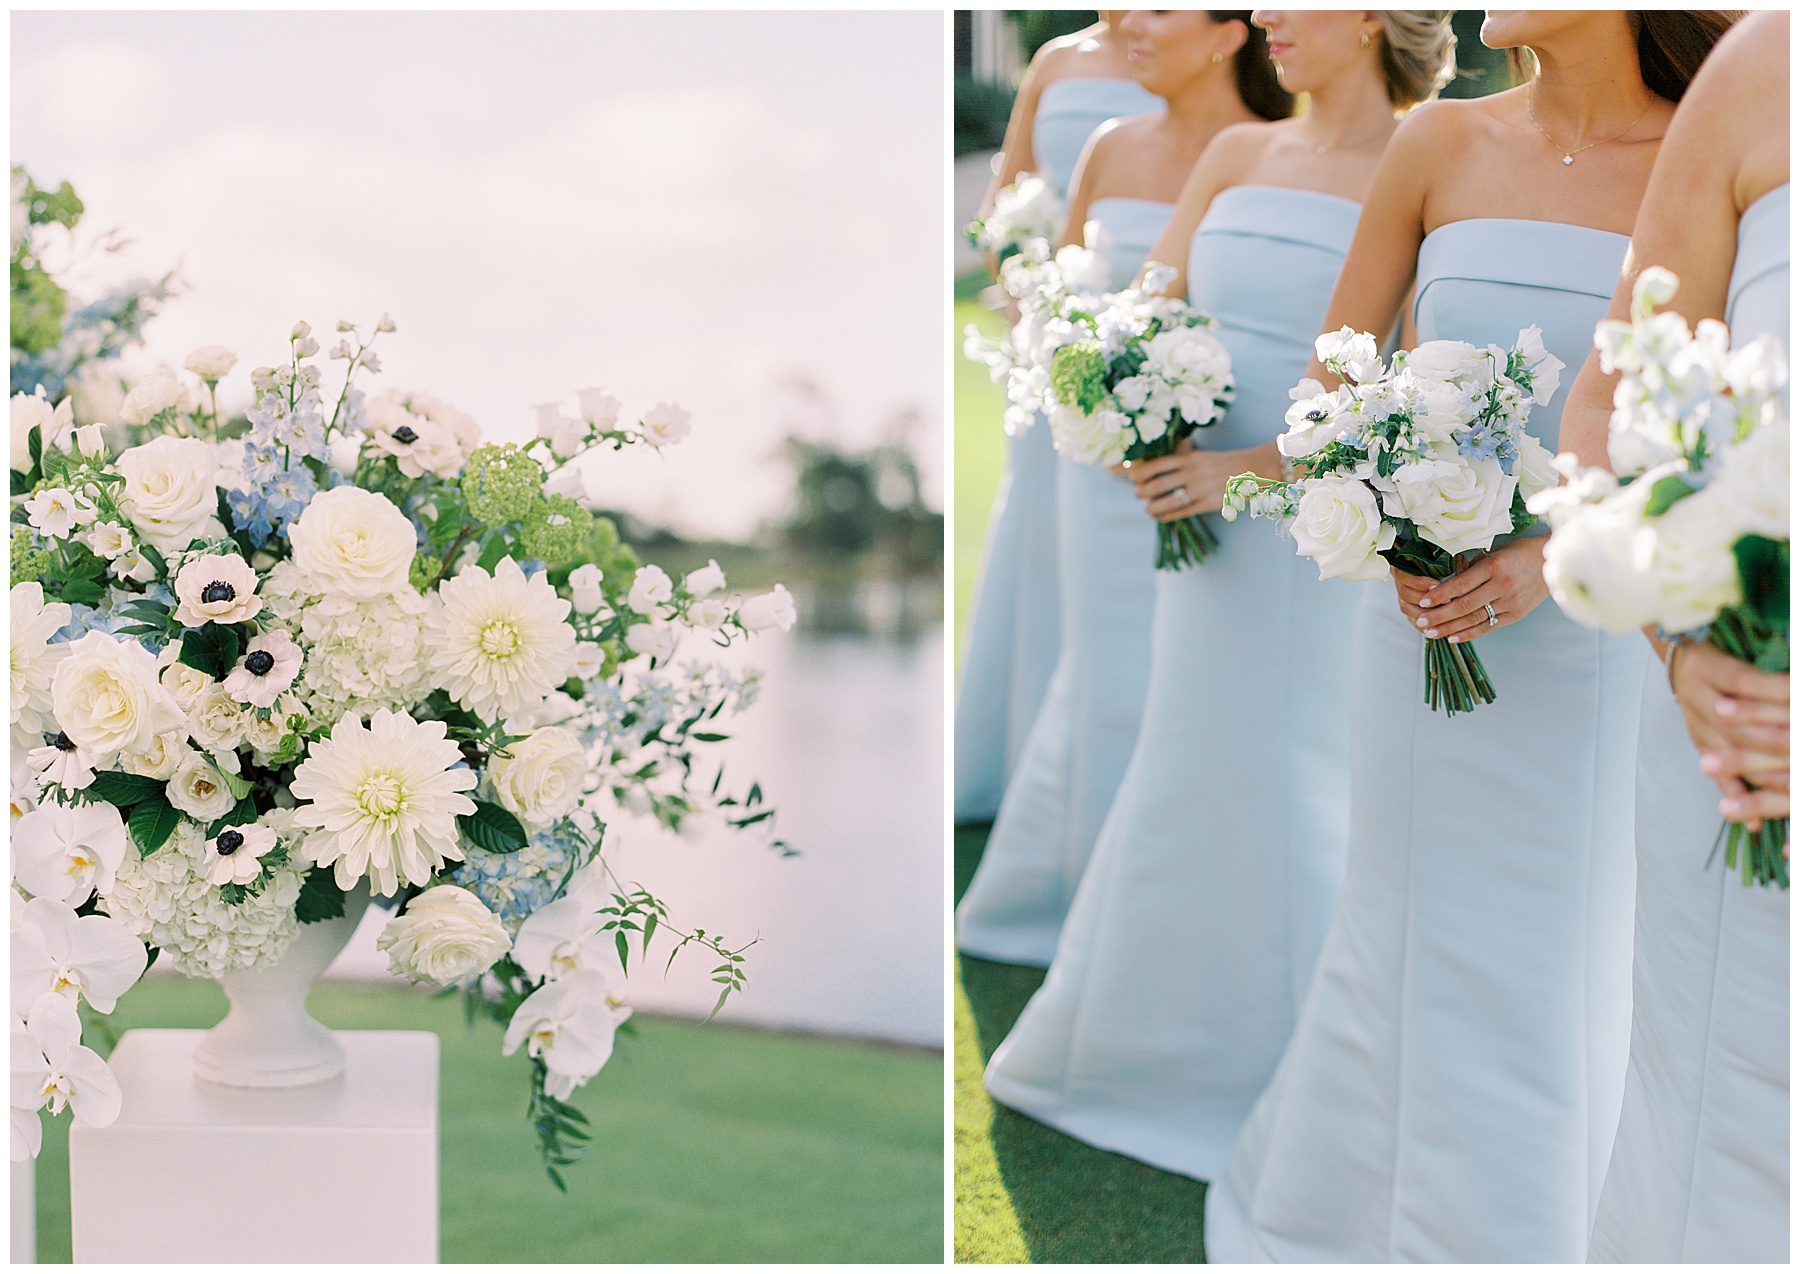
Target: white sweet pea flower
x: 1353, y: 355
x: 445, y: 934
x: 665, y: 424
x: 650, y: 587
x: 66, y: 852
x: 55, y: 951
x: 774, y: 609
x: 1545, y: 368
x: 569, y: 1024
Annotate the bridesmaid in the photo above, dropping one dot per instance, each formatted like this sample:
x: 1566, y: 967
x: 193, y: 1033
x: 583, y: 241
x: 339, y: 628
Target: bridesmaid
x: 1700, y: 1167
x: 1453, y: 1085
x: 1191, y: 939
x: 1214, y: 71
x: 1073, y: 85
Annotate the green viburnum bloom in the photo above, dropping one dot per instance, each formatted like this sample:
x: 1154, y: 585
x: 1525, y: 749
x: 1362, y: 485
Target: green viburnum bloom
x: 555, y: 530
x: 1078, y: 375
x: 32, y: 558
x: 501, y: 483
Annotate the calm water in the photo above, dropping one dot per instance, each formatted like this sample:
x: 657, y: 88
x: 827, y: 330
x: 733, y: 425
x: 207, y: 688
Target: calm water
x: 847, y: 740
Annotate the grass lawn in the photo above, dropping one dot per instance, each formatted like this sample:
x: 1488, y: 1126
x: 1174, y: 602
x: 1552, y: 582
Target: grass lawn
x: 1025, y: 1192
x: 980, y: 455
x: 712, y: 1143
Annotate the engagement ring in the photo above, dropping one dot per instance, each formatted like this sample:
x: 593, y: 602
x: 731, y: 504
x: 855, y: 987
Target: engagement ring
x: 1489, y: 608
x: 1181, y: 494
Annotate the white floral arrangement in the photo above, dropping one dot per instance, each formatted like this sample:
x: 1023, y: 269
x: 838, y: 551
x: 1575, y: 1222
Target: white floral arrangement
x: 1027, y: 209
x: 1414, y: 464
x: 1689, y: 532
x: 259, y: 664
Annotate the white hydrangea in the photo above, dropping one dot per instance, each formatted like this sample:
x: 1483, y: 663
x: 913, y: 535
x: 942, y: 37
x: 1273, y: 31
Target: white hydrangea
x: 360, y: 654
x: 166, y: 900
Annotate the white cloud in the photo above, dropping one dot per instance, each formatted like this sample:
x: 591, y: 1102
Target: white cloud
x: 99, y: 95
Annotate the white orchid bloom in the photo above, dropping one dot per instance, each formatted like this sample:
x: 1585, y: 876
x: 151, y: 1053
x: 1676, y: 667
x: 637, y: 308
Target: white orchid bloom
x: 563, y: 938
x: 66, y: 852
x: 57, y: 952
x: 70, y: 1076
x: 569, y: 1025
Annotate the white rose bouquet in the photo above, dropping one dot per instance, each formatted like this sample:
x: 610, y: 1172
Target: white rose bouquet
x: 1412, y: 464
x: 257, y: 663
x: 1689, y: 533
x: 1028, y: 209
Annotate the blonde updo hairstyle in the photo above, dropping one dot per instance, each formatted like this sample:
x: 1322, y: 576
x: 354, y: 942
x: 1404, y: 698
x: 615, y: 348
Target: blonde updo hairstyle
x: 1418, y: 54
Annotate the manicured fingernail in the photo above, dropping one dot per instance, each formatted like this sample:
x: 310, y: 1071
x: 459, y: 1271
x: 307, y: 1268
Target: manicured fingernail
x: 1426, y: 601
x: 1422, y: 622
x: 1710, y: 763
x: 1455, y: 641
x: 1726, y: 707
x: 1431, y: 632
x: 1730, y: 807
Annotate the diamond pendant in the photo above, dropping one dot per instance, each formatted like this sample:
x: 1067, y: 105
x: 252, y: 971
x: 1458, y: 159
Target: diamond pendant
x: 1568, y: 159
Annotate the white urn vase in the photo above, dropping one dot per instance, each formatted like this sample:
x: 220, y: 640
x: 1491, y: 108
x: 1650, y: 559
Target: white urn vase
x: 268, y: 1039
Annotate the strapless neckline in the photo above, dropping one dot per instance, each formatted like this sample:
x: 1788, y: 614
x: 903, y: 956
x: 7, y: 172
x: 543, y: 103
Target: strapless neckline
x: 1259, y: 188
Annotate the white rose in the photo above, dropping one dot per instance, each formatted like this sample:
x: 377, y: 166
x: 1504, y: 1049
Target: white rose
x: 774, y: 609
x: 708, y: 579
x: 216, y: 721
x: 355, y: 543
x: 1457, y: 504
x: 157, y: 392
x: 445, y: 935
x: 539, y: 777
x: 198, y: 790
x: 1099, y: 439
x: 1693, y: 567
x: 1536, y: 467
x: 1752, y: 481
x: 169, y: 493
x: 1595, y: 566
x: 185, y: 684
x: 106, y: 696
x: 52, y: 423
x: 216, y: 588
x: 1337, y: 524
x: 211, y: 362
x: 161, y: 759
x: 650, y: 588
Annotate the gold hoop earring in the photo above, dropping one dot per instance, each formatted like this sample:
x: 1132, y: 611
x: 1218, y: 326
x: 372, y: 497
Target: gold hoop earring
x: 1365, y: 39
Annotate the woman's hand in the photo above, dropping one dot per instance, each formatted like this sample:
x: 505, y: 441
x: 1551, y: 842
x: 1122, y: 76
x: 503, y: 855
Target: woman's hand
x: 1510, y: 579
x: 1736, y: 716
x: 1193, y: 481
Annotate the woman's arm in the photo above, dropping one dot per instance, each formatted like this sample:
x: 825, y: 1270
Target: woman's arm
x: 1016, y: 152
x: 1088, y: 179
x: 1228, y: 156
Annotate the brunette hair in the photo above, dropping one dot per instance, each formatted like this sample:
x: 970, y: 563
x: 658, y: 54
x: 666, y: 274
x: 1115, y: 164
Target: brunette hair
x: 1418, y: 54
x: 1255, y: 69
x: 1671, y: 45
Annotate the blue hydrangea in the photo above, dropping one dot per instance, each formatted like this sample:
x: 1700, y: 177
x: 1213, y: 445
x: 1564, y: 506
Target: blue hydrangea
x: 514, y: 885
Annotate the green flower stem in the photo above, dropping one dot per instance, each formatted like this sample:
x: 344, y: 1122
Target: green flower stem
x: 1455, y: 680
x: 1183, y: 542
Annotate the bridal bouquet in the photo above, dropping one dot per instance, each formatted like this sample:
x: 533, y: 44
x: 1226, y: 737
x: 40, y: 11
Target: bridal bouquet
x: 1411, y: 465
x: 263, y: 665
x: 1691, y: 535
x: 1028, y: 209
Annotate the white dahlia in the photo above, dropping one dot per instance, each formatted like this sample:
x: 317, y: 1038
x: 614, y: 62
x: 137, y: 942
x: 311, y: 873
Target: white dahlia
x: 384, y: 800
x: 500, y: 642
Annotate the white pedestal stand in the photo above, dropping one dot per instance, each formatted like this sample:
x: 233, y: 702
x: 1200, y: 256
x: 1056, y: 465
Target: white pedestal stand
x: 24, y: 1213
x: 343, y: 1170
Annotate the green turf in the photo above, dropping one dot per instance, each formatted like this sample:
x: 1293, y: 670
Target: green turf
x: 980, y: 457
x: 1025, y: 1192
x: 712, y: 1143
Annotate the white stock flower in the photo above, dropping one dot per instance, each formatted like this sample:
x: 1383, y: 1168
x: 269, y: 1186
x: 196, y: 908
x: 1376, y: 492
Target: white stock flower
x: 34, y: 659
x: 774, y: 609
x: 157, y: 392
x: 1339, y: 526
x: 1354, y: 354
x: 445, y: 934
x: 707, y: 580
x: 650, y: 588
x: 539, y: 777
x: 354, y: 543
x: 66, y: 852
x: 69, y: 1075
x: 665, y: 424
x: 384, y: 800
x: 106, y: 696
x: 198, y: 789
x: 57, y: 952
x: 216, y: 588
x: 52, y: 423
x: 584, y: 589
x: 169, y: 493
x: 211, y: 362
x: 569, y: 1024
x: 499, y: 642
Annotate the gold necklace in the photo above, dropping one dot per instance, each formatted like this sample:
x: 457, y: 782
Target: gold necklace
x: 1326, y: 150
x: 1569, y: 155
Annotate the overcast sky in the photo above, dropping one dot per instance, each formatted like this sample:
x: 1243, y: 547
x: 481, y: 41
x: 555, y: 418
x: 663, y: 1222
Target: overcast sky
x: 676, y: 206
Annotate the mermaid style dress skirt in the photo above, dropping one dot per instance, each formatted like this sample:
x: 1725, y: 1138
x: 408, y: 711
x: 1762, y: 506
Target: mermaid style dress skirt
x: 1195, y: 929
x: 1076, y: 752
x: 1013, y: 626
x: 1452, y: 1088
x: 1700, y: 1168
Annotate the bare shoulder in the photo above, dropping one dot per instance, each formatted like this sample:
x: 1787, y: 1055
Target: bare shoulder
x: 1235, y: 150
x: 1747, y: 66
x: 1443, y: 126
x: 1061, y: 56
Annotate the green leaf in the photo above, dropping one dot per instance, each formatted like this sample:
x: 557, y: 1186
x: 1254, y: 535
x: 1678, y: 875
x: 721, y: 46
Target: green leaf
x: 624, y: 946
x: 1665, y: 494
x: 491, y: 555
x: 709, y: 738
x: 1763, y: 570
x: 152, y: 823
x: 197, y: 651
x: 85, y: 591
x: 124, y: 790
x: 493, y: 828
x: 320, y: 897
x: 241, y: 813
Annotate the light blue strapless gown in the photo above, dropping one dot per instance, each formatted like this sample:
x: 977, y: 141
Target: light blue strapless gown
x: 1076, y: 752
x: 1014, y: 622
x: 1700, y: 1168
x: 1452, y: 1088
x: 1194, y: 933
